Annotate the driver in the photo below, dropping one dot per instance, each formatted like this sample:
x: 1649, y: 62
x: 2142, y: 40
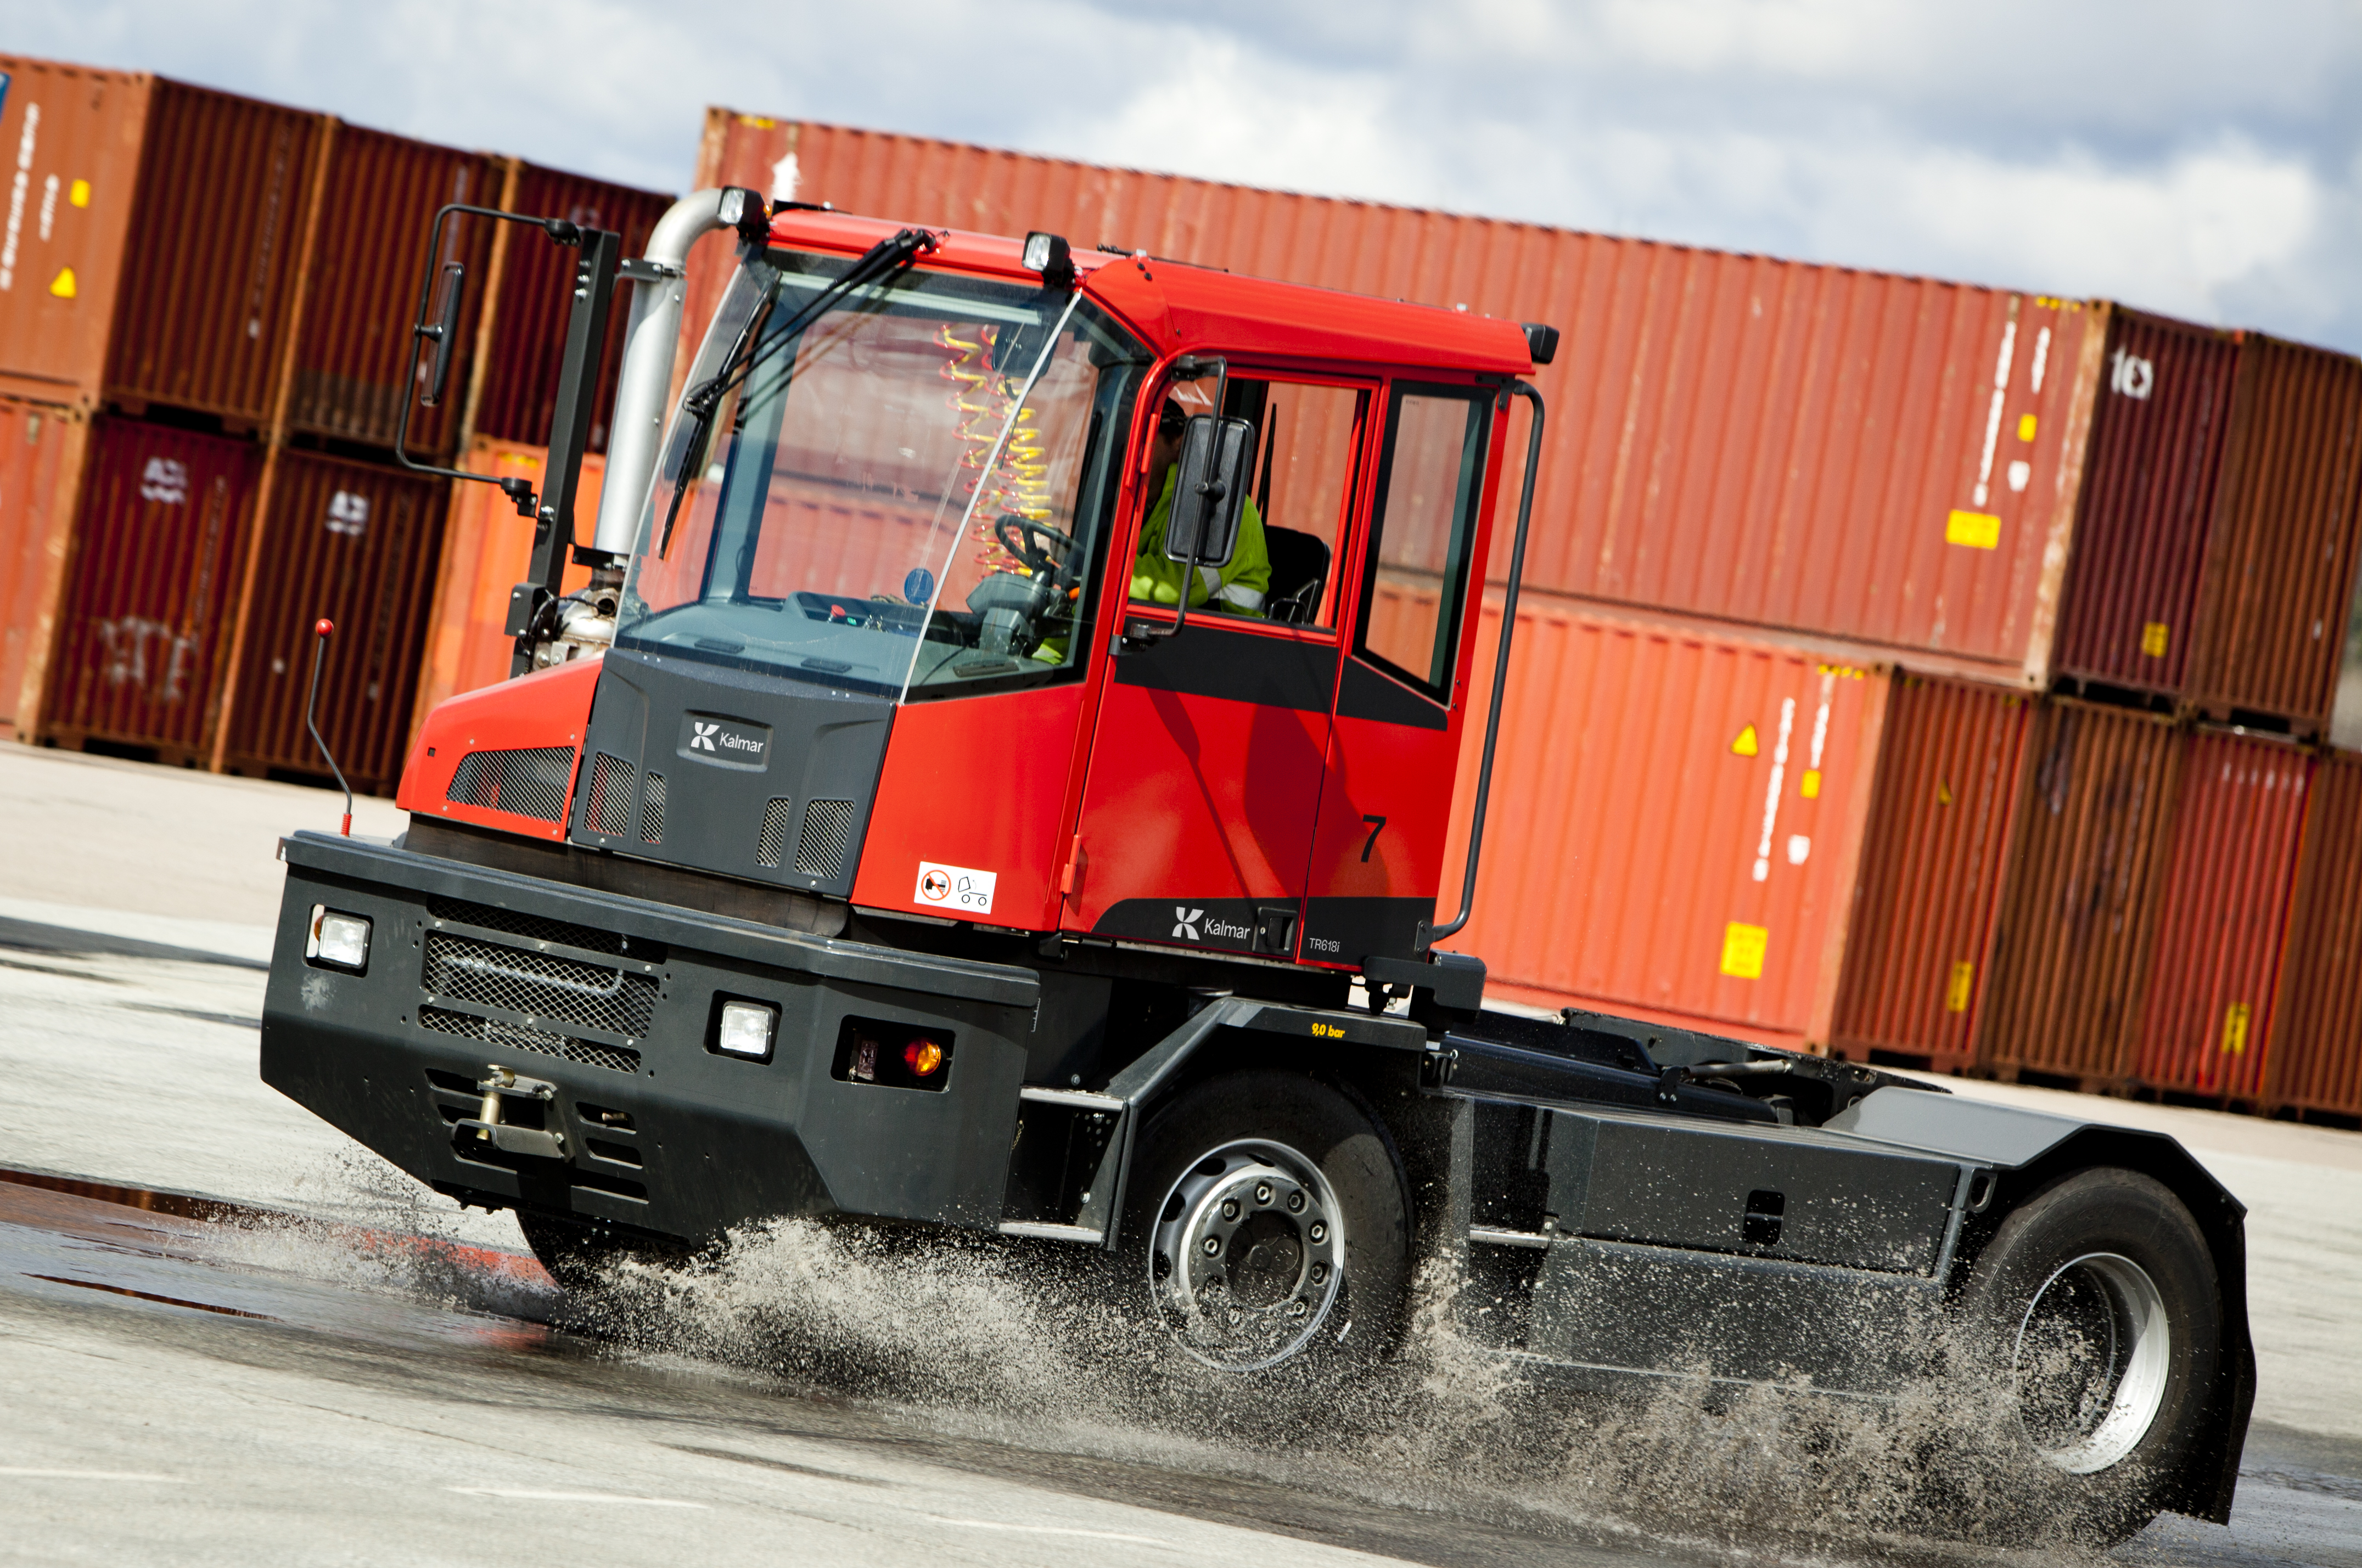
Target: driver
x: 1237, y: 587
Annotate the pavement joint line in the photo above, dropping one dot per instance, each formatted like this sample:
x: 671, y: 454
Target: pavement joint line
x: 1048, y: 1530
x: 527, y: 1495
x: 34, y: 1472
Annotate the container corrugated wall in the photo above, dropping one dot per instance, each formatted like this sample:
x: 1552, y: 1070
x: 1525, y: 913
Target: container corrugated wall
x: 357, y: 544
x: 2280, y: 577
x: 2163, y: 410
x: 536, y: 294
x: 2078, y: 922
x: 1918, y: 954
x: 486, y: 549
x: 1676, y: 817
x: 353, y: 360
x: 2317, y: 1036
x: 70, y: 137
x: 41, y: 448
x: 203, y: 319
x: 2223, y: 908
x: 155, y: 564
x: 1830, y: 453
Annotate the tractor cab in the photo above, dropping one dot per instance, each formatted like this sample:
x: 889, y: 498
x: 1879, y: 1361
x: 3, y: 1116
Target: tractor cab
x: 1092, y: 594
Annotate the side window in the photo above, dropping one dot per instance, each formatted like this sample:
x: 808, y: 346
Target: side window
x: 1309, y: 439
x: 1423, y: 528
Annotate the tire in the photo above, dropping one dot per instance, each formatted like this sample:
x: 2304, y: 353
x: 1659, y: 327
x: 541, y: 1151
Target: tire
x: 1303, y: 1195
x: 2096, y: 1309
x: 581, y: 1258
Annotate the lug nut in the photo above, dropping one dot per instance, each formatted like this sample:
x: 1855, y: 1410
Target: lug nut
x: 1320, y: 1273
x: 1262, y: 1192
x: 1297, y: 1309
x: 1213, y: 1246
x: 1319, y: 1232
x: 1296, y: 1203
x: 1230, y: 1208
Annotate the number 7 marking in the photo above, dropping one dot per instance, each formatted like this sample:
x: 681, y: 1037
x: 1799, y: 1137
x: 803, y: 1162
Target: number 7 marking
x: 1378, y: 825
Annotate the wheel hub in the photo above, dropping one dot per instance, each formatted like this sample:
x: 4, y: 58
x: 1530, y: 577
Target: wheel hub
x: 1247, y: 1254
x: 2093, y: 1358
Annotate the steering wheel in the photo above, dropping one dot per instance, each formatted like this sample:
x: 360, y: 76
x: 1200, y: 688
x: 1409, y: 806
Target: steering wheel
x: 1017, y: 535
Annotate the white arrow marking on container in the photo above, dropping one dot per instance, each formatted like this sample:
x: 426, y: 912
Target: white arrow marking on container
x: 1771, y: 795
x: 1993, y: 419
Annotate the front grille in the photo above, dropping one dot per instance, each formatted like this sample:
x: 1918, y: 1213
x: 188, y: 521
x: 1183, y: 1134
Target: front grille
x: 539, y: 928
x: 540, y: 985
x: 530, y: 783
x: 828, y: 827
x: 512, y: 1037
x: 652, y: 808
x: 775, y: 831
x: 610, y: 808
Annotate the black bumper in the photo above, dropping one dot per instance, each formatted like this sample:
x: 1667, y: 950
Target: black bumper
x: 612, y: 1001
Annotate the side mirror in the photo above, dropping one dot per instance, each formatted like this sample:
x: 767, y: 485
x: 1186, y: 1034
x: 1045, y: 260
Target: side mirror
x: 1216, y: 469
x: 443, y: 333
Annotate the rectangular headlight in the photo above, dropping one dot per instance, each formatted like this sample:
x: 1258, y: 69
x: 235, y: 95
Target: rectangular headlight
x: 339, y: 941
x: 745, y: 1030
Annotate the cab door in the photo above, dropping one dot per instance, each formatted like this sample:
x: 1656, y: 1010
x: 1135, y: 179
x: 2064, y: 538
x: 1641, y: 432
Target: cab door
x: 1204, y: 784
x: 1393, y: 748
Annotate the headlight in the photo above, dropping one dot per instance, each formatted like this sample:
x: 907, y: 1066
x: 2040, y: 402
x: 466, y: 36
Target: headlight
x: 745, y: 1030
x: 338, y: 941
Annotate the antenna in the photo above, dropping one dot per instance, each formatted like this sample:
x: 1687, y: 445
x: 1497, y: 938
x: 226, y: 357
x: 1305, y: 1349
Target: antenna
x: 325, y: 628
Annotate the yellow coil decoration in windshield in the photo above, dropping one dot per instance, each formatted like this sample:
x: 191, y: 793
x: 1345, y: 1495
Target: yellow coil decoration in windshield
x: 983, y: 399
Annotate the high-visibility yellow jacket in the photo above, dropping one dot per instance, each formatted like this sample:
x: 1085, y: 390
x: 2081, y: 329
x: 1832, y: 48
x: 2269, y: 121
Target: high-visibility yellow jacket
x: 1238, y: 587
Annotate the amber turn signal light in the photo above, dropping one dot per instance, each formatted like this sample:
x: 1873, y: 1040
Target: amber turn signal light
x: 923, y: 1058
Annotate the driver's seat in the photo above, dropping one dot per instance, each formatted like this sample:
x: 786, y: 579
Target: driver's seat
x: 1299, y: 570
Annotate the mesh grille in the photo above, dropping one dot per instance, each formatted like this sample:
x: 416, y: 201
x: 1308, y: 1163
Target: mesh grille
x: 652, y: 808
x: 820, y: 852
x: 510, y: 1037
x: 610, y: 808
x: 528, y: 783
x: 775, y: 831
x: 540, y: 985
x: 564, y: 933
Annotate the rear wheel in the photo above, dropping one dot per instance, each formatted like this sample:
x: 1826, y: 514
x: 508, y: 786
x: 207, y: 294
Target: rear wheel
x: 2098, y: 1306
x: 1268, y: 1226
x: 581, y: 1258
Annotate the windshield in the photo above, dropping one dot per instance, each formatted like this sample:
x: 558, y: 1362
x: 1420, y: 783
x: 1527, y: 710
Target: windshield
x: 900, y: 489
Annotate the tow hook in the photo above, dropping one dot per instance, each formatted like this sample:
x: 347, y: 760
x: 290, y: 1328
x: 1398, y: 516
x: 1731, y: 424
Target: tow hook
x: 491, y: 1126
x: 1437, y: 1067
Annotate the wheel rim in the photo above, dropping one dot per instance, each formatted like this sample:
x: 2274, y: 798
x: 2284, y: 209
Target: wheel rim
x: 2093, y: 1356
x: 1247, y: 1256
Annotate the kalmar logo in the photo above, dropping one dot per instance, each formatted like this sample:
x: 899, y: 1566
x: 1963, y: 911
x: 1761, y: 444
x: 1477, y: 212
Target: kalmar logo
x: 1186, y: 922
x: 703, y: 739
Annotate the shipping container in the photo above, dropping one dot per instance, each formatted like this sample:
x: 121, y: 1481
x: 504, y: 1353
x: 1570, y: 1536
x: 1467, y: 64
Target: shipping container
x: 356, y: 351
x: 355, y: 543
x: 486, y: 550
x: 1919, y: 949
x: 151, y: 589
x: 200, y: 323
x: 518, y: 397
x: 2346, y: 709
x: 2317, y: 1032
x: 1832, y: 455
x: 2281, y: 569
x: 41, y: 448
x: 2163, y: 410
x: 2077, y: 919
x: 2223, y: 909
x: 1676, y: 821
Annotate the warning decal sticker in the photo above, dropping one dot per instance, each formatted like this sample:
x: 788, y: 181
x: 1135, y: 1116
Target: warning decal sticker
x: 955, y: 890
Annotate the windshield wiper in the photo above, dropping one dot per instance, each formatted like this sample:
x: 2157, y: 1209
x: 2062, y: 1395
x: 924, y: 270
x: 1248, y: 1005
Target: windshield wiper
x: 761, y: 343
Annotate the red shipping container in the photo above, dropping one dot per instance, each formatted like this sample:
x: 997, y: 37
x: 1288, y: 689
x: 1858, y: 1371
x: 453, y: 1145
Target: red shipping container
x: 2163, y: 408
x: 2078, y: 911
x: 2316, y: 1027
x: 41, y: 449
x: 1919, y: 951
x: 154, y: 571
x: 2224, y: 901
x: 1675, y: 823
x: 1835, y: 456
x: 357, y: 544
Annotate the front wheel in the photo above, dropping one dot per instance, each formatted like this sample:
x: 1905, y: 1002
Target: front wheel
x: 1268, y: 1225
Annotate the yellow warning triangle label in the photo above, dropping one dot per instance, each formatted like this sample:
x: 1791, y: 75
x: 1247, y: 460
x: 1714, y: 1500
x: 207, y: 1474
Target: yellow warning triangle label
x: 64, y: 285
x: 1943, y: 794
x: 1745, y: 745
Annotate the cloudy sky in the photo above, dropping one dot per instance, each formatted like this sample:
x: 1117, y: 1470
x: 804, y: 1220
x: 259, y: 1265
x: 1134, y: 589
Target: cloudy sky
x: 2203, y: 160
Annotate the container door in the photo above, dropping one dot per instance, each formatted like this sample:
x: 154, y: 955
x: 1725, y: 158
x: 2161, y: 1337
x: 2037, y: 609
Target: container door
x: 1385, y: 804
x: 1206, y: 760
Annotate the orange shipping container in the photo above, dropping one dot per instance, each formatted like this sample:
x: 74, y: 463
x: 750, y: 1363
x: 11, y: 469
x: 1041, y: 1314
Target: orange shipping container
x: 2316, y: 1029
x: 1919, y: 953
x: 1676, y: 818
x: 42, y: 450
x: 2223, y: 910
x: 1829, y: 454
x: 486, y: 549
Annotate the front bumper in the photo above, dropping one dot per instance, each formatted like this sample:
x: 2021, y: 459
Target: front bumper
x: 611, y: 1001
